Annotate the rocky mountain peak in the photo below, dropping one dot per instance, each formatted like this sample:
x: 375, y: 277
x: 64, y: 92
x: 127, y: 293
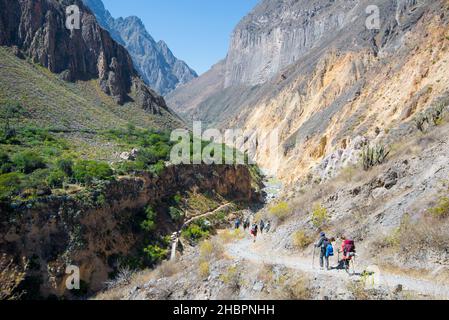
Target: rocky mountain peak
x: 154, y: 61
x: 37, y: 29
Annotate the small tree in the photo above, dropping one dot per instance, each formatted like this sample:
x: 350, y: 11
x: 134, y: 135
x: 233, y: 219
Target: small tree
x: 8, y: 112
x: 319, y: 215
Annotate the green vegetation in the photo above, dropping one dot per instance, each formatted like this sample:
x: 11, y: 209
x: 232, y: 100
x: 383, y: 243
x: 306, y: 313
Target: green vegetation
x: 373, y: 156
x: 319, y: 215
x: 441, y: 210
x: 155, y: 253
x: 149, y: 224
x: 196, y: 231
x: 54, y: 103
x: 175, y: 214
x: 87, y: 171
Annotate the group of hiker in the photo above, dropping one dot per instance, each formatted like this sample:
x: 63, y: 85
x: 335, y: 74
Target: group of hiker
x: 254, y: 227
x: 325, y: 245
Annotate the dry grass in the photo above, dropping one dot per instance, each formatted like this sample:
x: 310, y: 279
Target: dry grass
x: 231, y: 278
x: 204, y: 269
x: 301, y: 239
x: 413, y: 239
x: 227, y: 236
x: 280, y: 211
x: 293, y: 287
x: 358, y: 290
x: 168, y: 269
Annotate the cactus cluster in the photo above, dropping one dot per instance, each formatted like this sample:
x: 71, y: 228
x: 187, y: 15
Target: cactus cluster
x: 372, y: 156
x: 433, y: 115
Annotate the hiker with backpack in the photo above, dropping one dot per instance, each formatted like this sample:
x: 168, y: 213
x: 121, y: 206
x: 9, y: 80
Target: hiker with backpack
x: 348, y: 252
x: 246, y: 224
x: 268, y: 227
x: 262, y: 226
x: 323, y: 244
x: 237, y: 223
x: 254, y: 231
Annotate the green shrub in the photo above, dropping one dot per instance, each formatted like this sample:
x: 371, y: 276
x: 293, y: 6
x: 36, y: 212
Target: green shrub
x: 66, y: 166
x: 36, y: 180
x: 87, y: 171
x: 175, y: 214
x: 155, y: 254
x: 4, y: 157
x: 157, y: 168
x: 441, y: 210
x: 5, y: 163
x: 319, y: 215
x: 27, y: 161
x: 177, y: 198
x: 195, y: 233
x: 56, y: 178
x: 127, y: 167
x: 149, y: 223
x: 10, y: 185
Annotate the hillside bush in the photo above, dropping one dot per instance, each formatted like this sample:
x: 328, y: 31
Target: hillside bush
x: 10, y: 185
x: 280, y: 211
x: 155, y: 254
x: 86, y: 171
x: 149, y: 224
x: 66, y: 166
x: 27, y: 161
x: 319, y: 215
x: 301, y: 240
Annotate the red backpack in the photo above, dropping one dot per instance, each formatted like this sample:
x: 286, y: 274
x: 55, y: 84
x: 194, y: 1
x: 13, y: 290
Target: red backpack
x: 348, y: 247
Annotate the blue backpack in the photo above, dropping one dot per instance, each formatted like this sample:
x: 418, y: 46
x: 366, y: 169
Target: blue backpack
x: 329, y: 250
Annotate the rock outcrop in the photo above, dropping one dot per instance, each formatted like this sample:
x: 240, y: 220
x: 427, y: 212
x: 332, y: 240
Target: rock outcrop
x: 153, y: 60
x: 95, y: 228
x: 38, y: 30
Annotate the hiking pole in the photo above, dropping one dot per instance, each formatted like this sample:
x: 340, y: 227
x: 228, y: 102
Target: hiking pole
x: 313, y: 259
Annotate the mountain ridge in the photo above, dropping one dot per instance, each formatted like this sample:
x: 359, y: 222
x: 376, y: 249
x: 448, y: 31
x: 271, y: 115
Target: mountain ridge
x: 154, y: 60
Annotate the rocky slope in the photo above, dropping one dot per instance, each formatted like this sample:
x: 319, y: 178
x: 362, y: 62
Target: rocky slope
x: 322, y: 89
x: 37, y: 30
x: 40, y: 238
x: 153, y: 60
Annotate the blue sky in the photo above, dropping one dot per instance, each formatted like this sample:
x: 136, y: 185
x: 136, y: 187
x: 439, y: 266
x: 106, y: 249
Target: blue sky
x: 197, y: 31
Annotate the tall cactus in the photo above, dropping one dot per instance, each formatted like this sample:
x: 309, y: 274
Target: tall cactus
x: 372, y: 156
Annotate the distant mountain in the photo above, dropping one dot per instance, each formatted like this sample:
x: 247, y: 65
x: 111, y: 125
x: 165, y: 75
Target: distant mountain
x: 153, y: 60
x: 98, y: 67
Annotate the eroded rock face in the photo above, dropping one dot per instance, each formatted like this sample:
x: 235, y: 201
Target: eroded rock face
x: 38, y: 29
x: 277, y: 33
x: 39, y: 239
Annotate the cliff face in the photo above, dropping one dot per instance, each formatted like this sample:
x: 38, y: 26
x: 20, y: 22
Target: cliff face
x: 37, y: 29
x: 153, y: 60
x: 39, y: 239
x: 277, y: 33
x: 316, y: 73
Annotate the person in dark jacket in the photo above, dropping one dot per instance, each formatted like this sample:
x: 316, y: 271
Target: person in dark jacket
x: 262, y: 226
x: 322, y: 244
x: 237, y: 223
